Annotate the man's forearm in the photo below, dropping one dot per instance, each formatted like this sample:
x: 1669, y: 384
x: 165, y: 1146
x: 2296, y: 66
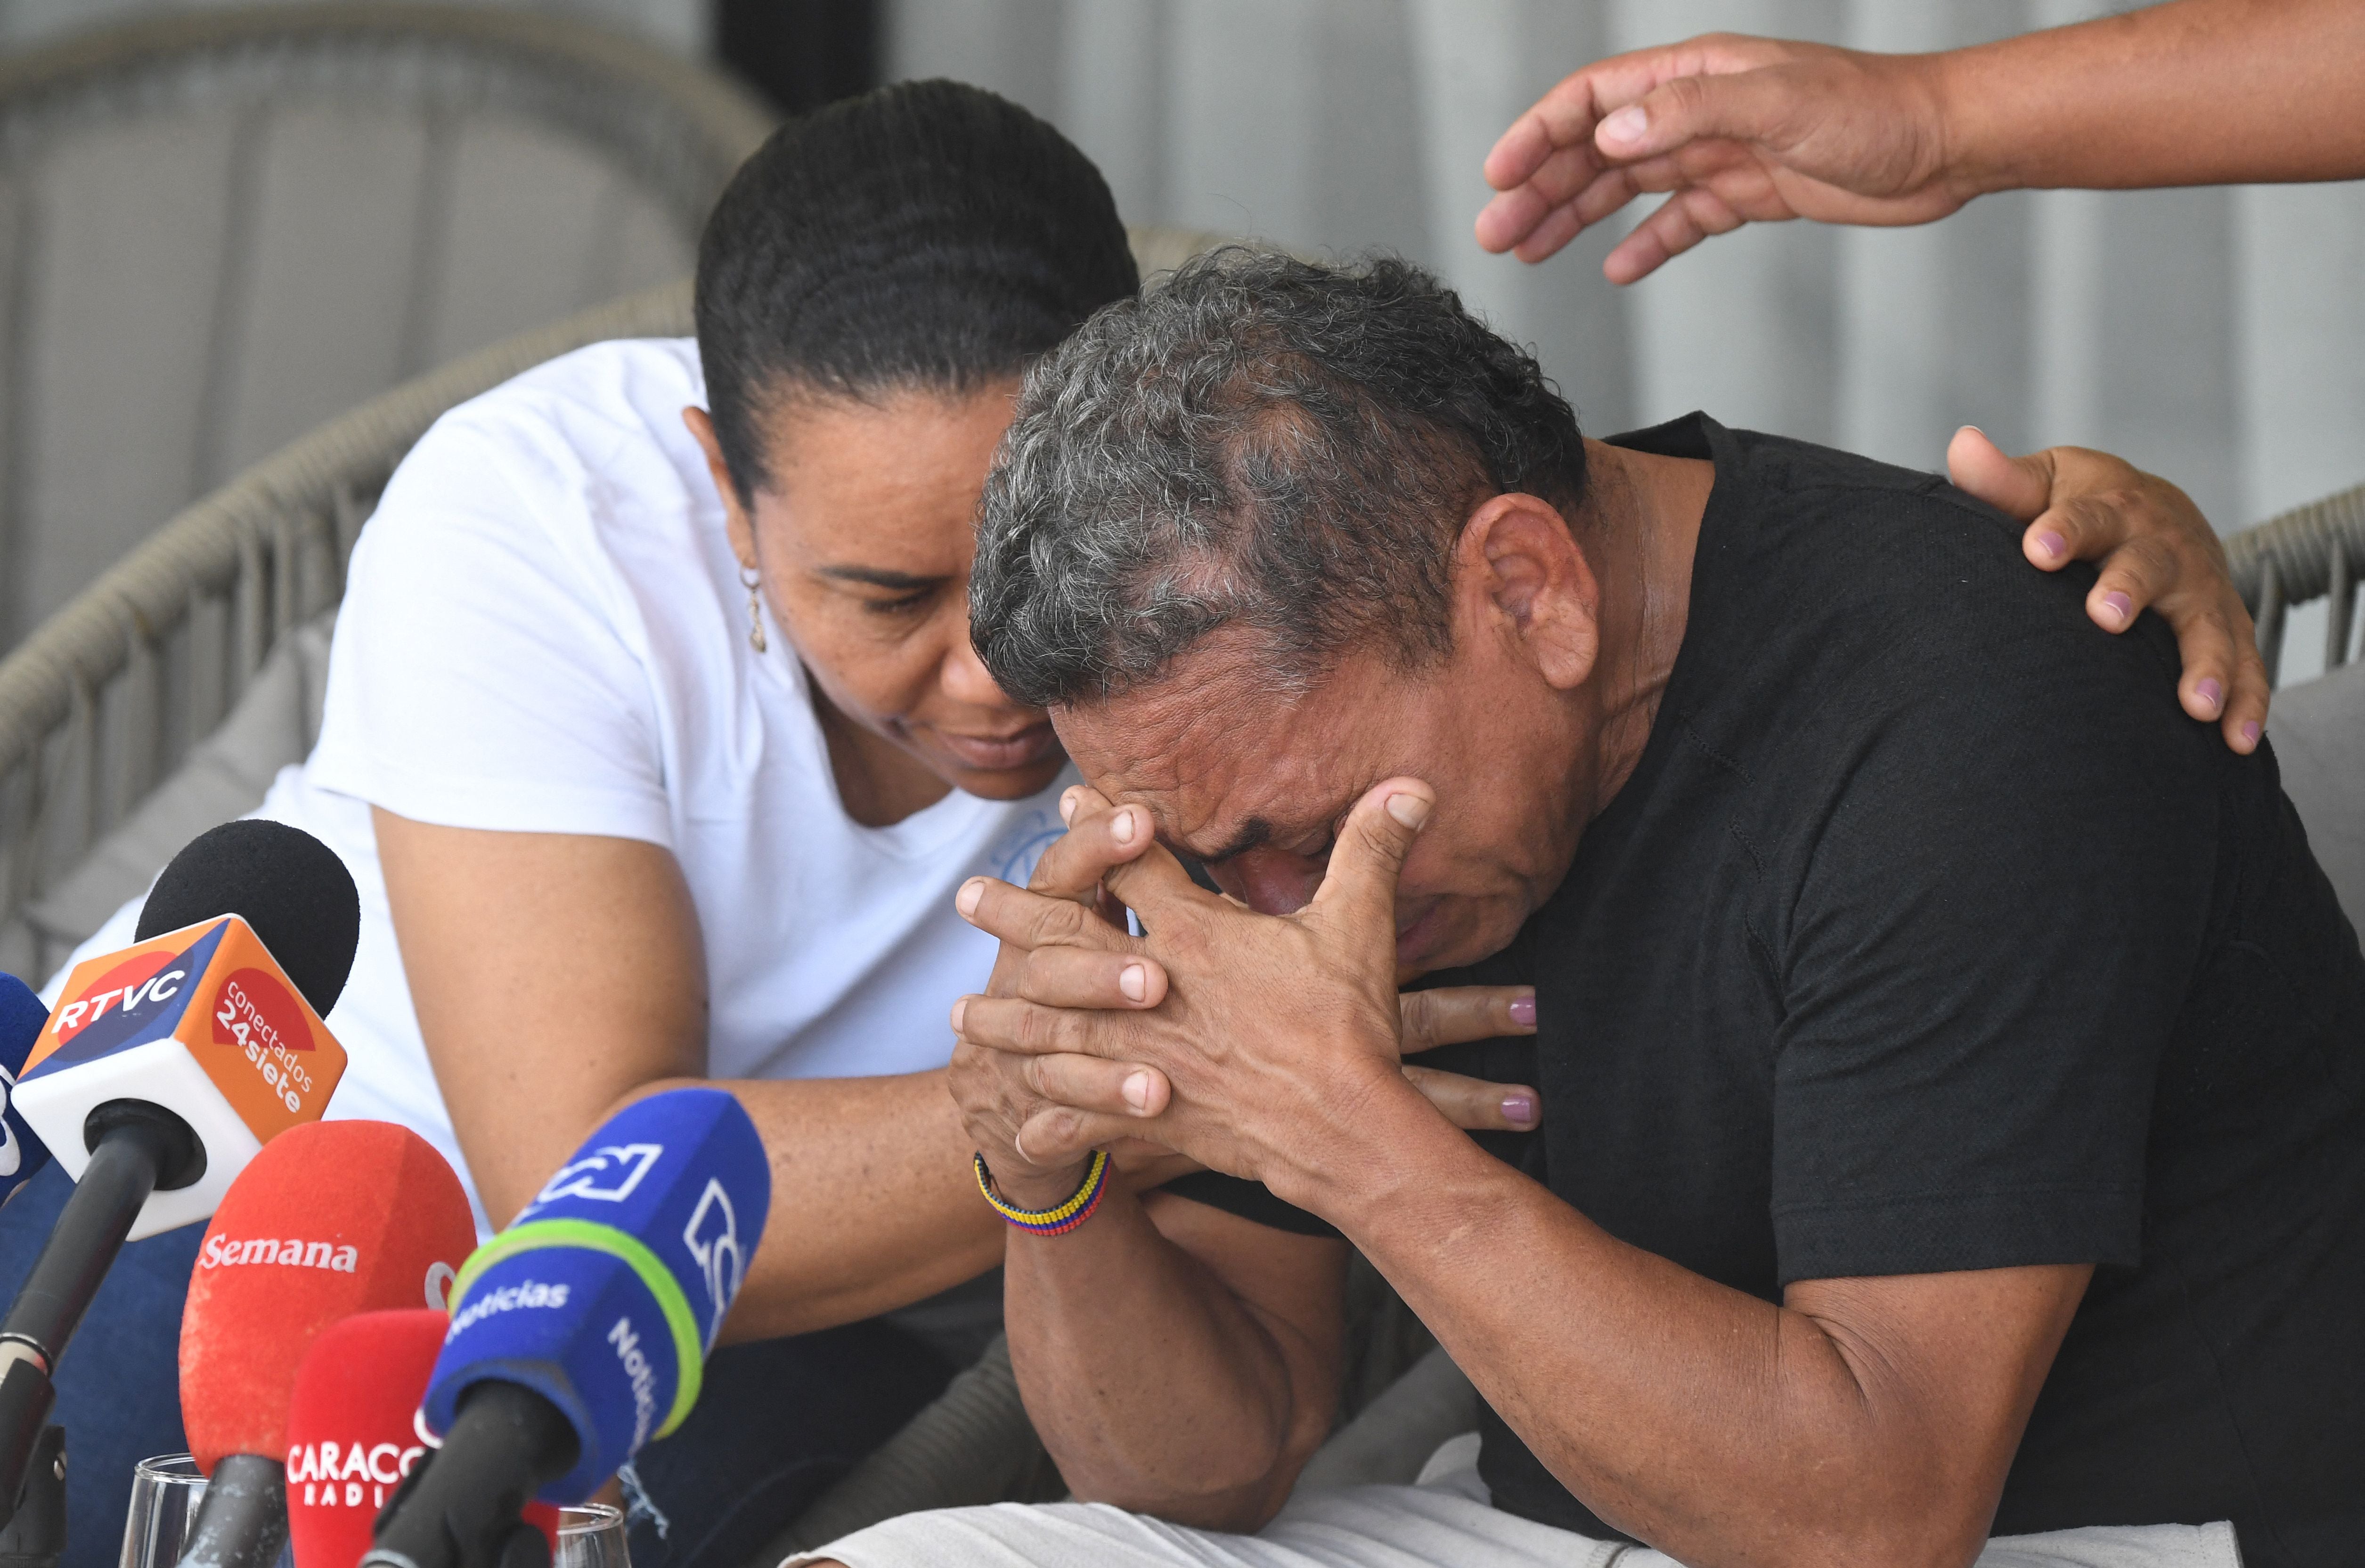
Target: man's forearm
x: 2193, y: 92
x: 1152, y: 1385
x: 1718, y: 1426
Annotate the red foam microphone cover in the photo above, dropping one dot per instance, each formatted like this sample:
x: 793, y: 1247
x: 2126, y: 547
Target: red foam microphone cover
x: 330, y: 1219
x: 353, y: 1432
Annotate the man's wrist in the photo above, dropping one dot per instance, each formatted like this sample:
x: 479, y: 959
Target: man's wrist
x: 1036, y: 1187
x: 1377, y: 1138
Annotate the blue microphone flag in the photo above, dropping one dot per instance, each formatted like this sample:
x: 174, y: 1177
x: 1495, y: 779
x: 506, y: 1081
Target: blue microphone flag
x: 607, y: 1291
x: 22, y: 1153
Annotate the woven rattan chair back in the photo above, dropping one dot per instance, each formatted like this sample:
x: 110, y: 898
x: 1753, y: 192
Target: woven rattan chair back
x: 2312, y: 552
x: 219, y: 228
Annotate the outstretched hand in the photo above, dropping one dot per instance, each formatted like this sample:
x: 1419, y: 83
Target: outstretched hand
x: 1735, y: 131
x: 2154, y: 552
x: 1243, y: 1041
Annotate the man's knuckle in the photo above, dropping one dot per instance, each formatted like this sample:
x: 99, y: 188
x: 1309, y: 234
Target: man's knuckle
x: 1386, y: 845
x: 1054, y: 923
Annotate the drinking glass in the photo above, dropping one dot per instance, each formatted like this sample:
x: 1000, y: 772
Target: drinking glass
x: 165, y: 1491
x: 590, y: 1536
x: 164, y: 1494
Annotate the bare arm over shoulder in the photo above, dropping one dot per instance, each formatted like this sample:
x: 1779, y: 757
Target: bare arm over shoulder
x: 1737, y: 129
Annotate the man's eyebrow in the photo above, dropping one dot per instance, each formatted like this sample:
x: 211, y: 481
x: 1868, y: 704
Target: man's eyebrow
x: 880, y: 577
x: 1253, y: 831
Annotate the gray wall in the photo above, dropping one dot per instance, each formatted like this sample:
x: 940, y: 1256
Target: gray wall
x: 678, y: 24
x: 201, y: 260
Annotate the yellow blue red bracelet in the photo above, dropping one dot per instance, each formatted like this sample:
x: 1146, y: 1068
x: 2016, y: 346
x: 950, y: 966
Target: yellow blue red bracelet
x: 1052, y: 1222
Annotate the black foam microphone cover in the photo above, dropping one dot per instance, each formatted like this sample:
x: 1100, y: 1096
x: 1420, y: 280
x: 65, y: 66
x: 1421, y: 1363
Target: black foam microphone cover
x: 286, y: 884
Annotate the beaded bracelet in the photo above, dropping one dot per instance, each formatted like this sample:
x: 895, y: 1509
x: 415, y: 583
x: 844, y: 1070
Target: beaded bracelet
x: 1052, y: 1222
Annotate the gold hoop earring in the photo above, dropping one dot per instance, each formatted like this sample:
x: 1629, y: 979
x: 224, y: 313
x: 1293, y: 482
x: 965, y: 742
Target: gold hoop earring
x: 753, y: 583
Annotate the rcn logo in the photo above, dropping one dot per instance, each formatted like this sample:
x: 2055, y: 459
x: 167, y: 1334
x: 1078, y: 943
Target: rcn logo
x: 607, y: 1174
x: 712, y: 1238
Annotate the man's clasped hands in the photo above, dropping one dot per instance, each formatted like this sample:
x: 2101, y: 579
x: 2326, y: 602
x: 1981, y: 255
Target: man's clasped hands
x: 1221, y: 1037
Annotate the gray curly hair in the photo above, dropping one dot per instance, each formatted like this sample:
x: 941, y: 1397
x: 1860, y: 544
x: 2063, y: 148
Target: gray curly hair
x: 1257, y: 442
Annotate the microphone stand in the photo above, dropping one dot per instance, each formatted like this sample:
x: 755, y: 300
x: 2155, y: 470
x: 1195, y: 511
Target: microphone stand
x: 463, y: 1505
x: 136, y: 1148
x: 36, y: 1538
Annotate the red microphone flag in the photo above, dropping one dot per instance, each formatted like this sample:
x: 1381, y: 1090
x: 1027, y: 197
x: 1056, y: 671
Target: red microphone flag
x: 329, y: 1219
x: 353, y: 1432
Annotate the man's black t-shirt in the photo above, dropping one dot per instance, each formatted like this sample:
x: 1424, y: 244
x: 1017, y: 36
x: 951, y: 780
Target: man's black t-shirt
x: 1930, y: 935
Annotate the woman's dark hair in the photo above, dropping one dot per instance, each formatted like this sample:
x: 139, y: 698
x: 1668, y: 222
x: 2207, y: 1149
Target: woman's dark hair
x: 929, y: 235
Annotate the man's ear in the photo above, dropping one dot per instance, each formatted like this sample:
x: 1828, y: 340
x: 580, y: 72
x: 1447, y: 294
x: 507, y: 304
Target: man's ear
x: 736, y: 522
x: 1520, y: 574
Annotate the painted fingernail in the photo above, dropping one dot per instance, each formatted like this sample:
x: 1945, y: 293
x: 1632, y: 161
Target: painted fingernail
x: 2120, y: 606
x: 1520, y: 1110
x: 1137, y: 1090
x: 1124, y: 824
x: 1134, y: 980
x: 1523, y: 1010
x: 2053, y: 544
x: 2212, y: 695
x: 960, y: 1011
x: 1627, y: 125
x: 1410, y: 810
x: 2250, y: 731
x: 967, y: 900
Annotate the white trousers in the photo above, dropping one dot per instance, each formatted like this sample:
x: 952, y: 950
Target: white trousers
x: 1443, y: 1522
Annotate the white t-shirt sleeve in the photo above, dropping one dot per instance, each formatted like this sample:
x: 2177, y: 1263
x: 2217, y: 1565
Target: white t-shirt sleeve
x: 485, y: 671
